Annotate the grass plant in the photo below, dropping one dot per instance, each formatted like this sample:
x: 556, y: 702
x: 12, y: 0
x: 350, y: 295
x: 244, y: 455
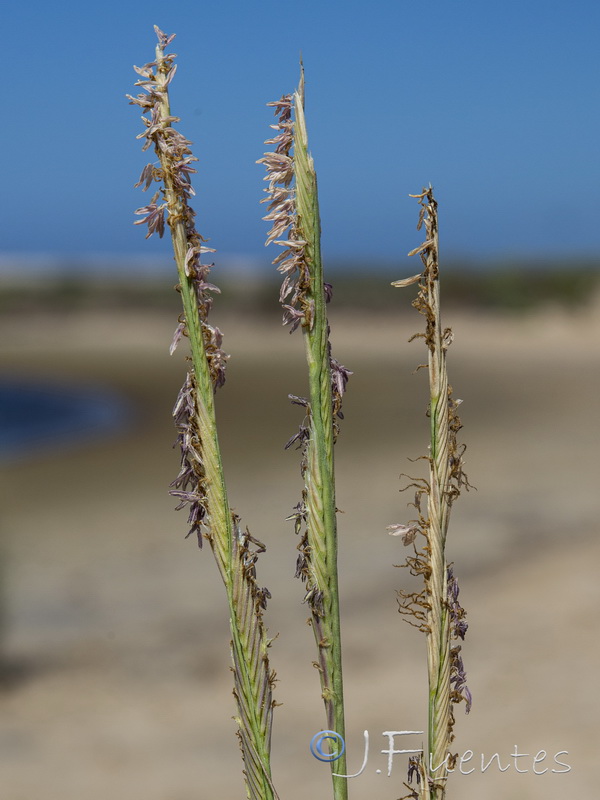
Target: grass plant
x: 294, y: 207
x: 200, y: 484
x: 293, y: 211
x: 435, y: 609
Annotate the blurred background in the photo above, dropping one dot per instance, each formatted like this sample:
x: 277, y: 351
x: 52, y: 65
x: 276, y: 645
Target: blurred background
x: 114, y: 662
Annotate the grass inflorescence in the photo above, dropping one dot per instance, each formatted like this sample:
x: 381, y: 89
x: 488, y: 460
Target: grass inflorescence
x: 294, y: 207
x: 435, y: 610
x: 200, y: 484
x: 293, y: 212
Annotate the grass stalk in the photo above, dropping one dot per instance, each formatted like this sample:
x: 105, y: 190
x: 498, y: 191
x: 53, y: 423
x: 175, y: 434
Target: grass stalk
x: 200, y: 483
x: 293, y: 205
x: 436, y: 610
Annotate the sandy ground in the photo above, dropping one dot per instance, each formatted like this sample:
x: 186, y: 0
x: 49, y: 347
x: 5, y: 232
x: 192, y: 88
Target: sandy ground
x: 115, y: 663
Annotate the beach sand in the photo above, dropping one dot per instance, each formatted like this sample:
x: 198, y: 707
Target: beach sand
x: 115, y: 647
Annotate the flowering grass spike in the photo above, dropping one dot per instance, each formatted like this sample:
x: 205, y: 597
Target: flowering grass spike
x: 436, y: 610
x: 293, y: 207
x: 200, y: 484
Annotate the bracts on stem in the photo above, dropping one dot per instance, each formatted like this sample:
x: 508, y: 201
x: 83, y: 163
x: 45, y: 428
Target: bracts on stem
x: 293, y: 207
x: 200, y: 484
x: 436, y: 610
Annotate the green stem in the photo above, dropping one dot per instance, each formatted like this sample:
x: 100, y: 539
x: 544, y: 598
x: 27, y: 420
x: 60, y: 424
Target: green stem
x: 249, y: 645
x: 321, y: 506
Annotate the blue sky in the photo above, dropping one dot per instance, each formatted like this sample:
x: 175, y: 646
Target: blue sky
x: 494, y: 103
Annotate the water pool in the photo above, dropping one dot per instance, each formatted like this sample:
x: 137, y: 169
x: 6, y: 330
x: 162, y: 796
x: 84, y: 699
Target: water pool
x: 37, y: 416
